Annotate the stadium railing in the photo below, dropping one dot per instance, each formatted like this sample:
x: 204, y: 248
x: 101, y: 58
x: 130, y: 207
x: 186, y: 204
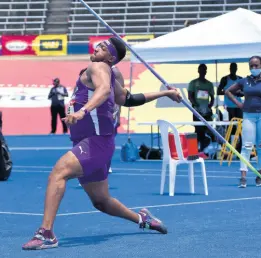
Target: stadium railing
x: 147, y: 17
x: 23, y: 17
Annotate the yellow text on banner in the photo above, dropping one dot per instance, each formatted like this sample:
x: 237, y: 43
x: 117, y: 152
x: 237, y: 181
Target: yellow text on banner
x: 136, y: 39
x: 50, y: 45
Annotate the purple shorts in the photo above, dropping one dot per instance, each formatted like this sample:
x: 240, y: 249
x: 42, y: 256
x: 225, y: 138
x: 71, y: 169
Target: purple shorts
x: 94, y: 154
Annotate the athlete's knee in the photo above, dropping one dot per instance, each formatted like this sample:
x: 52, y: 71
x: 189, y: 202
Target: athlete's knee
x: 101, y: 204
x: 56, y: 177
x: 61, y: 170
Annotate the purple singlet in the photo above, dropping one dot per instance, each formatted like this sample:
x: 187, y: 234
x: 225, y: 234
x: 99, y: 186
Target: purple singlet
x: 99, y: 121
x: 93, y: 136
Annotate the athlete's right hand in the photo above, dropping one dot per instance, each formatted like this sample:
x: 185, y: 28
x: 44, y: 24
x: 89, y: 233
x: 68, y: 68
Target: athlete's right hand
x: 72, y: 119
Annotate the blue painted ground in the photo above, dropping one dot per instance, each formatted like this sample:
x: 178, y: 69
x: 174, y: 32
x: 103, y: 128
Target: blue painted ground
x: 223, y: 224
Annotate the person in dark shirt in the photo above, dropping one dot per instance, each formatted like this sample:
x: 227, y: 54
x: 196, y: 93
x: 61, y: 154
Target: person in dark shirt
x: 201, y: 96
x: 251, y: 127
x: 225, y: 83
x: 230, y: 106
x: 57, y: 95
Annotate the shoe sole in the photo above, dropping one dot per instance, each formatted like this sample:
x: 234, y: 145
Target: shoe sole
x: 242, y: 186
x: 163, y: 229
x: 41, y: 247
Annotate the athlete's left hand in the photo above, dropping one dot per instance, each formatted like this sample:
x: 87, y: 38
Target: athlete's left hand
x: 174, y: 94
x: 71, y: 119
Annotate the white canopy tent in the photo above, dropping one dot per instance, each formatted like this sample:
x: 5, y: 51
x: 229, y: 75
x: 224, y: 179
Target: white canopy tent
x: 231, y: 37
x: 234, y: 36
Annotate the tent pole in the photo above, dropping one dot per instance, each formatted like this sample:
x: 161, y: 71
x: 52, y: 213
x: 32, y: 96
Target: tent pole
x: 217, y: 117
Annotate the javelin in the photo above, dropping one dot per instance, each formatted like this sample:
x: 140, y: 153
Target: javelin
x: 228, y: 145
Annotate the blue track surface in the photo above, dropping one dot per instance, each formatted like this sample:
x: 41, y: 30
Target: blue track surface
x: 223, y: 224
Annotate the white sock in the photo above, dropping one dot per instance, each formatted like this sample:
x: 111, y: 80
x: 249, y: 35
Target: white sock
x: 140, y: 219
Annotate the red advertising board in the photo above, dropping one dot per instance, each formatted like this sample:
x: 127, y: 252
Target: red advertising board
x: 17, y: 45
x: 129, y: 39
x: 94, y: 41
x: 40, y: 45
x: 0, y: 45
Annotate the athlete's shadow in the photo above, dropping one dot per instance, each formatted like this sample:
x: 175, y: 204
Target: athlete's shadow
x: 95, y: 240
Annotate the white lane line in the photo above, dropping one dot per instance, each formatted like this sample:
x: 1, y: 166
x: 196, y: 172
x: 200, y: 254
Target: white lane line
x: 140, y: 207
x: 171, y: 205
x: 136, y: 169
x: 47, y: 148
x: 129, y: 174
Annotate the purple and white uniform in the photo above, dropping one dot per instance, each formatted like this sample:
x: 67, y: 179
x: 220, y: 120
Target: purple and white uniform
x: 93, y: 136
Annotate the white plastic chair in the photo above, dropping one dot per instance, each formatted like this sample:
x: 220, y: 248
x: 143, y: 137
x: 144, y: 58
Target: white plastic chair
x: 168, y: 160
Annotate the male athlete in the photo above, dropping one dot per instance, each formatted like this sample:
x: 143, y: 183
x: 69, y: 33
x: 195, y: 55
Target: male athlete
x: 90, y: 117
x: 117, y: 108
